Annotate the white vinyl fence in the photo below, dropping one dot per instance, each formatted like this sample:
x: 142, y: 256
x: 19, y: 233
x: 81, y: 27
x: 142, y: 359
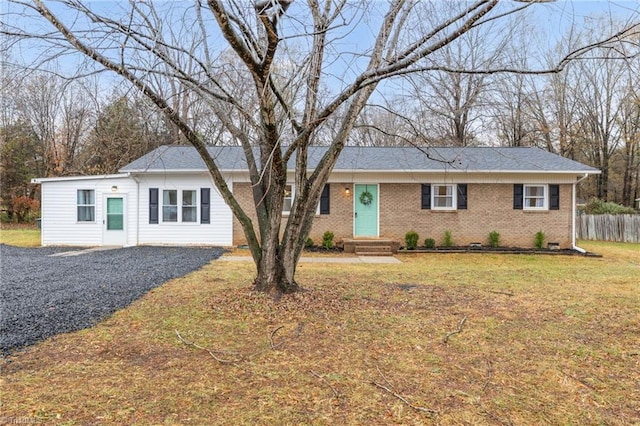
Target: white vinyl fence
x: 609, y: 227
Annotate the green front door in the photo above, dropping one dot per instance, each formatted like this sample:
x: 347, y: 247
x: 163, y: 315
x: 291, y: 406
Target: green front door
x: 366, y: 210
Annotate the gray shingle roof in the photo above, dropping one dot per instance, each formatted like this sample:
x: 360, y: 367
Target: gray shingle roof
x: 470, y: 159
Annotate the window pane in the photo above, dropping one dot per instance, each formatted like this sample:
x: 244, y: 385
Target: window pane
x: 170, y: 197
x: 288, y: 198
x: 443, y: 190
x: 169, y: 214
x: 188, y: 198
x: 115, y: 222
x: 86, y: 196
x: 534, y: 191
x: 189, y: 214
x: 443, y: 202
x: 114, y: 205
x: 86, y: 213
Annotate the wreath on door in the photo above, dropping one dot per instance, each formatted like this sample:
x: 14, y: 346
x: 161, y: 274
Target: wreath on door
x: 366, y: 198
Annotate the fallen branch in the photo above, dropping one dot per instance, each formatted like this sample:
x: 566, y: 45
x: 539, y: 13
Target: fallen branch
x: 506, y: 293
x: 195, y: 345
x: 335, y: 392
x: 459, y: 330
x: 273, y: 333
x: 489, y: 376
x: 392, y: 392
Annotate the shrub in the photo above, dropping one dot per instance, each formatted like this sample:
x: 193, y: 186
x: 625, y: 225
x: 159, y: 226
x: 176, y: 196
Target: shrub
x: 597, y: 206
x: 430, y: 243
x: 308, y: 243
x: 25, y: 208
x: 539, y: 239
x: 411, y: 240
x: 448, y: 240
x: 494, y: 239
x: 327, y: 240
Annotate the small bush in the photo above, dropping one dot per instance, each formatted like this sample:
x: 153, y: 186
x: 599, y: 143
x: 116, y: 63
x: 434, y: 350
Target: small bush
x: 308, y: 243
x: 448, y: 240
x: 494, y: 239
x: 430, y: 243
x: 597, y: 206
x: 25, y: 209
x: 539, y: 239
x: 327, y: 240
x: 411, y: 240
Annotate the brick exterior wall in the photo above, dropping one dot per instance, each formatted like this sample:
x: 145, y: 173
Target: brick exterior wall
x: 490, y: 208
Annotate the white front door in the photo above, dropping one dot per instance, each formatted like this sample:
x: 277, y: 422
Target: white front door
x: 114, y: 223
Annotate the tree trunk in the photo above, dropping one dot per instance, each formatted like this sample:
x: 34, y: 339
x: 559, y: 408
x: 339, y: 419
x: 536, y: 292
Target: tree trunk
x: 276, y: 272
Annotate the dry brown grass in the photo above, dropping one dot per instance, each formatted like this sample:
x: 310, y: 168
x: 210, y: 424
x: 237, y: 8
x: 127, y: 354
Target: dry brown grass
x: 547, y: 339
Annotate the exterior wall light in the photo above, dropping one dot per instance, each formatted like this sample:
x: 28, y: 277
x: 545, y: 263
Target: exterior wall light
x: 347, y: 190
x: 114, y: 188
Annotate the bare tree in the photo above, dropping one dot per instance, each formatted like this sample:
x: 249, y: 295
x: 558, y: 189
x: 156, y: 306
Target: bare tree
x: 276, y: 43
x: 450, y: 102
x: 59, y: 114
x: 630, y: 137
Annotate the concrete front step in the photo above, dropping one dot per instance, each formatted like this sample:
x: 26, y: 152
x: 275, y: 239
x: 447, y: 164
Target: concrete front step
x: 374, y: 253
x: 376, y: 245
x: 360, y: 249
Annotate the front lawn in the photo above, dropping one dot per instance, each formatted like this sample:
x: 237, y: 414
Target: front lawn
x: 20, y: 236
x: 442, y: 339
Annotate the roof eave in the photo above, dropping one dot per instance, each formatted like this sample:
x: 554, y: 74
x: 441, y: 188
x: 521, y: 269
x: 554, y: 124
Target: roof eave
x: 86, y: 177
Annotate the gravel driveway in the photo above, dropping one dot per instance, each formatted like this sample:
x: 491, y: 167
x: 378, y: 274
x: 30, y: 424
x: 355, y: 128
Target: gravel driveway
x: 46, y: 291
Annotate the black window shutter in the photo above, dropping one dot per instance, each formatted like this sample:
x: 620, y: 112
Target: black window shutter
x: 426, y: 195
x: 153, y: 205
x: 518, y: 196
x: 462, y: 196
x: 205, y: 205
x: 324, y: 200
x: 554, y: 197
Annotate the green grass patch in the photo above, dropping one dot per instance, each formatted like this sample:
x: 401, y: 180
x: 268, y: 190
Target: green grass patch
x: 21, y: 237
x: 546, y: 340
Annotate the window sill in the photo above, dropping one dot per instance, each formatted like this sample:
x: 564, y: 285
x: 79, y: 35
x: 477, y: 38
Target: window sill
x: 179, y: 223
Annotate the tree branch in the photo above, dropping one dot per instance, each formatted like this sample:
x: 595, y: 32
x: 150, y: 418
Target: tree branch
x: 459, y: 330
x: 392, y: 392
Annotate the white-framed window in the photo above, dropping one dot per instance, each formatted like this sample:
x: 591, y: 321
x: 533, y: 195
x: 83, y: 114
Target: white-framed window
x: 443, y: 197
x: 287, y: 202
x: 86, y: 202
x: 189, y: 206
x: 534, y: 197
x: 180, y: 206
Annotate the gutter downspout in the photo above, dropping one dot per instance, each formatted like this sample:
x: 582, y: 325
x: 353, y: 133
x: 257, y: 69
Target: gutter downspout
x: 136, y: 179
x: 573, y: 215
